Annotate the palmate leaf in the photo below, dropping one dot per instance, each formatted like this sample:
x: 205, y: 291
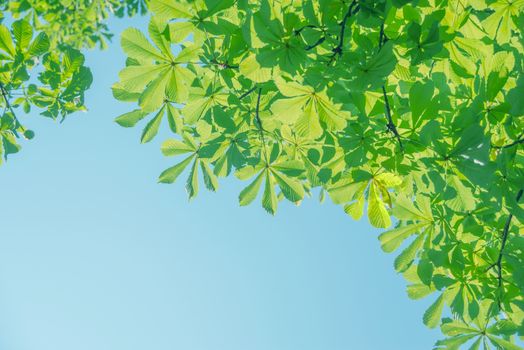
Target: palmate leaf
x: 290, y: 96
x: 378, y: 67
x: 307, y: 109
x: 500, y: 24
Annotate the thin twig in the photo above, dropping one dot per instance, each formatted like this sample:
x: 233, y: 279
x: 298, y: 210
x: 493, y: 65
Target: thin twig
x: 298, y: 31
x: 390, y: 125
x: 223, y: 65
x: 260, y: 127
x: 247, y: 93
x: 505, y: 235
x: 337, y: 51
x: 3, y: 91
x: 519, y: 140
x: 319, y: 42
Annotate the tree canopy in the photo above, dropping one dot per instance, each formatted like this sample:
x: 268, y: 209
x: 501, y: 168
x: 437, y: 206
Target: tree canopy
x: 411, y: 110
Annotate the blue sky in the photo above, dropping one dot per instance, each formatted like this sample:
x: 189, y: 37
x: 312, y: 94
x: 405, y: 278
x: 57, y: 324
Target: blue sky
x: 95, y: 255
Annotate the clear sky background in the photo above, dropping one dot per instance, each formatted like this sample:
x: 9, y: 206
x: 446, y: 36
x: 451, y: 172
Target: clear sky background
x: 95, y: 255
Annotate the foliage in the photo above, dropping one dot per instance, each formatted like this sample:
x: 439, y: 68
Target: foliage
x: 41, y: 64
x: 411, y: 109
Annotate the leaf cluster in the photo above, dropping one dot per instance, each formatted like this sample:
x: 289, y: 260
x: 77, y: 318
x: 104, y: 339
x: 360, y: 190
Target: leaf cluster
x: 391, y: 108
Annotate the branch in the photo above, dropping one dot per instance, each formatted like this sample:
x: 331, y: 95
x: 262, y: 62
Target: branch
x: 260, y: 127
x: 382, y: 37
x: 337, y: 51
x: 299, y: 31
x: 319, y: 41
x: 247, y: 93
x: 223, y: 65
x: 3, y: 91
x: 505, y: 235
x: 390, y: 125
x: 514, y: 143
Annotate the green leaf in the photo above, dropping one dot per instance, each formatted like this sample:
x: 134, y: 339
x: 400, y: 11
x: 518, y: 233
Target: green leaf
x: 210, y: 179
x: 130, y: 119
x: 155, y: 93
x: 152, y: 127
x: 23, y: 33
x: 215, y: 6
x: 135, y: 78
x: 455, y: 327
x: 347, y: 192
x: 6, y: 43
x: 136, y: 45
x: 249, y: 193
x: 40, y: 45
x: 355, y: 209
x: 291, y: 188
x: 308, y: 123
x: 405, y: 209
x: 469, y: 140
x: 503, y: 327
x: 169, y: 9
x: 377, y: 212
x: 157, y: 31
x: 407, y: 256
x: 504, y: 344
x: 434, y: 312
x: 392, y: 239
x: 420, y: 96
x: 252, y: 70
x: 192, y: 180
x: 419, y: 291
x: 171, y: 174
x: 173, y: 118
x: 269, y: 198
x: 195, y: 109
x: 464, y: 199
x: 177, y: 89
x: 455, y: 342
